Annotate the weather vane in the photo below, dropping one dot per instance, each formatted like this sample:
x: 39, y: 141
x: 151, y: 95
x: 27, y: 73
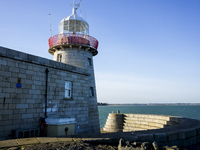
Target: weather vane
x: 75, y: 6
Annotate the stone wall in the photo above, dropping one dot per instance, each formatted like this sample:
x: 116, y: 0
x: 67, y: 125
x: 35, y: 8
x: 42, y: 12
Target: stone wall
x: 137, y: 122
x: 165, y: 130
x: 22, y: 93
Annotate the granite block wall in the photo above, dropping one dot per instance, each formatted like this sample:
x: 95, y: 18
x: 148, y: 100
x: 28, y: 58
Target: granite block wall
x: 22, y: 93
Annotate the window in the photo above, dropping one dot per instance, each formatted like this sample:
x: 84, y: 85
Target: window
x: 89, y: 61
x: 91, y: 91
x: 68, y: 89
x: 59, y: 57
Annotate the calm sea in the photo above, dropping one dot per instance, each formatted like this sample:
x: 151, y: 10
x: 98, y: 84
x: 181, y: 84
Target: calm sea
x: 177, y: 110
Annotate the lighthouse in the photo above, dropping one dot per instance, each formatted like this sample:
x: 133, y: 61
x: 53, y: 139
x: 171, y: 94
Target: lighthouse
x: 74, y: 46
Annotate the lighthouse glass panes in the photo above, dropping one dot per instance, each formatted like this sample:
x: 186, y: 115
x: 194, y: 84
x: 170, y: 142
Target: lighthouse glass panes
x: 73, y: 26
x: 68, y: 89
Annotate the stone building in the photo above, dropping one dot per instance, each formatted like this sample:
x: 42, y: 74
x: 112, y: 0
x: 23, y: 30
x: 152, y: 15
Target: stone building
x: 61, y: 90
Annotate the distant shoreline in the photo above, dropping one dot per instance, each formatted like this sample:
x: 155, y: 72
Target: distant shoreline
x: 152, y: 104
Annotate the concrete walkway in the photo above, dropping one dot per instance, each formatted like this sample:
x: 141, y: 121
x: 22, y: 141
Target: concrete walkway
x: 37, y: 140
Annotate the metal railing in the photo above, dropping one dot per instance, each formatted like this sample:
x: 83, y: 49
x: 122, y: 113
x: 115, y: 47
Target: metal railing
x: 70, y: 38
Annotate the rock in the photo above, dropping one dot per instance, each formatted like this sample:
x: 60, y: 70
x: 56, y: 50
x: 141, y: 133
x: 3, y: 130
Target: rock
x: 170, y: 148
x: 121, y: 144
x: 175, y: 147
x: 126, y: 146
x: 146, y: 146
x: 155, y: 146
x: 136, y: 144
x: 128, y: 143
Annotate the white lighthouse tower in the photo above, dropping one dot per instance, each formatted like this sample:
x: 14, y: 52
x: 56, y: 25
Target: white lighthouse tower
x: 73, y: 46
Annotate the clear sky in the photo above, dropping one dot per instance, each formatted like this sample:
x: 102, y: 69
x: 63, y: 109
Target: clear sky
x: 149, y: 50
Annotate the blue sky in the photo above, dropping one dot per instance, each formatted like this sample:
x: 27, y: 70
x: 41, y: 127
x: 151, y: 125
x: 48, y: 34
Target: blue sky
x: 149, y: 50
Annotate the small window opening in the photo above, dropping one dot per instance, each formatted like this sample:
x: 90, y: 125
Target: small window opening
x: 91, y: 91
x: 68, y: 89
x: 90, y: 61
x: 59, y: 58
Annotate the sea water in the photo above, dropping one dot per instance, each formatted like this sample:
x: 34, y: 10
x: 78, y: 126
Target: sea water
x: 188, y: 111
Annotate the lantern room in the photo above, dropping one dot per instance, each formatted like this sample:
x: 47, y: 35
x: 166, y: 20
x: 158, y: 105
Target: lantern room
x: 73, y: 32
x: 74, y: 24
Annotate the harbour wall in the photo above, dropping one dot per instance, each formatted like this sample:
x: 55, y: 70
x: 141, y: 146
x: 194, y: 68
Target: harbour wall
x: 165, y: 130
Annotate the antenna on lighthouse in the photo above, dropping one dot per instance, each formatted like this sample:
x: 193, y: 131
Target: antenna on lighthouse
x: 82, y: 12
x: 80, y: 4
x: 50, y: 24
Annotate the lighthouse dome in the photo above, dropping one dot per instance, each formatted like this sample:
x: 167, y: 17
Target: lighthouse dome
x: 74, y: 16
x: 74, y: 24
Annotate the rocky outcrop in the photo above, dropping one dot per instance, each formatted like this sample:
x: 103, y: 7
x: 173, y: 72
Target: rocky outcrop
x: 143, y: 146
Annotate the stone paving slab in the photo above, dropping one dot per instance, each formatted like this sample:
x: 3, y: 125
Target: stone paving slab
x: 8, y: 143
x: 65, y: 139
x: 26, y: 141
x: 76, y: 139
x: 47, y: 139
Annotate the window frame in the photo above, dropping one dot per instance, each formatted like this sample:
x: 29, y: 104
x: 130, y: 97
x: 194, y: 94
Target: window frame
x: 68, y: 90
x: 59, y: 57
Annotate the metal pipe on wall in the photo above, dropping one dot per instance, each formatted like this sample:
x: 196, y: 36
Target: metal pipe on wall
x: 46, y: 71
